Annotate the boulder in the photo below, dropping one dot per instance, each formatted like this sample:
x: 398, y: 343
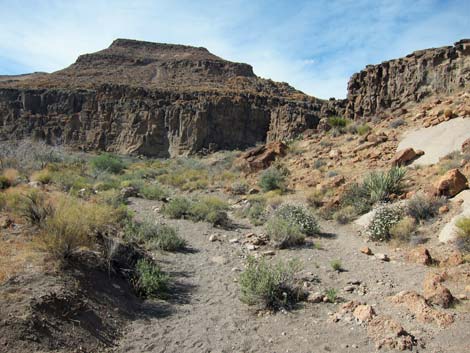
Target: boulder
x: 435, y: 292
x: 261, y: 157
x: 387, y: 333
x: 466, y: 146
x: 420, y: 256
x: 364, y: 313
x: 451, y: 183
x: 405, y: 156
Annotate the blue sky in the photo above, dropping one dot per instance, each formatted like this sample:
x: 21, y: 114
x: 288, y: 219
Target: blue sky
x: 313, y: 45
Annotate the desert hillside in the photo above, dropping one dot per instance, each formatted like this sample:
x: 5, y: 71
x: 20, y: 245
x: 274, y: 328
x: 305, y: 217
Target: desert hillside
x: 158, y: 198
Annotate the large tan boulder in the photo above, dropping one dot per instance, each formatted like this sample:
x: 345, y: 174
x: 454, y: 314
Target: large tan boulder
x: 405, y: 156
x: 364, y: 313
x: 261, y: 157
x: 451, y: 183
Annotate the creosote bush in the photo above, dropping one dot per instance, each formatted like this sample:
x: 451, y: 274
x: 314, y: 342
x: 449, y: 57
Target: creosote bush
x: 155, y: 236
x: 300, y: 217
x: 154, y: 192
x: 284, y: 234
x: 403, y: 230
x: 422, y: 207
x: 107, y: 162
x: 269, y: 285
x: 4, y: 182
x: 336, y: 265
x: 150, y: 281
x: 272, y: 179
x: 384, y: 219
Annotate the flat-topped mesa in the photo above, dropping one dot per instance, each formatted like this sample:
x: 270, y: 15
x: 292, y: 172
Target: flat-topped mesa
x: 423, y: 73
x: 150, y: 65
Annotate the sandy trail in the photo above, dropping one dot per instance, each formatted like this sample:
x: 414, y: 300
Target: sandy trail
x: 437, y: 141
x: 207, y: 316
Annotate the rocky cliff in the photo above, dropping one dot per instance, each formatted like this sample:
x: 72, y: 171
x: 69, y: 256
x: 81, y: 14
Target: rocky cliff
x: 393, y: 84
x: 153, y: 99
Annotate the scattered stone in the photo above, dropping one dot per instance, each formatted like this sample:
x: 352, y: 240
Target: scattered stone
x: 314, y: 297
x: 366, y: 250
x: 253, y: 191
x: 268, y: 253
x: 234, y: 241
x: 462, y: 297
x: 128, y: 191
x: 451, y: 183
x: 443, y: 209
x: 35, y: 184
x: 420, y: 256
x: 453, y: 259
x: 5, y: 222
x: 251, y: 247
x: 249, y: 235
x: 261, y: 157
x: 387, y: 333
x: 219, y: 260
x: 355, y: 282
x: 364, y: 313
x: 213, y: 237
x: 435, y: 292
x: 349, y: 288
x: 467, y: 288
x: 418, y: 306
x: 383, y: 257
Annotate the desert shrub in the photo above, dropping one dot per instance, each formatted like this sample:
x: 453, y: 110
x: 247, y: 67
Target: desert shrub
x: 154, y: 192
x: 4, y: 182
x: 28, y: 155
x: 345, y: 215
x: 284, y: 234
x: 150, y: 281
x: 319, y: 163
x: 403, y: 230
x: 331, y: 173
x: 396, y: 123
x: 362, y: 129
x: 3, y: 201
x: 239, y: 188
x: 450, y: 161
x: 12, y: 175
x: 331, y: 294
x: 177, y: 207
x: 422, y: 207
x: 34, y: 207
x: 463, y: 233
x: 338, y: 122
x: 272, y: 179
x: 300, y: 217
x: 380, y: 185
x: 358, y: 197
x: 73, y: 225
x: 255, y: 210
x: 154, y: 236
x: 111, y: 197
x: 385, y: 217
x: 107, y: 162
x: 137, y: 184
x: 43, y: 176
x: 315, y: 198
x: 210, y: 209
x: 336, y: 265
x: 70, y: 180
x: 269, y: 285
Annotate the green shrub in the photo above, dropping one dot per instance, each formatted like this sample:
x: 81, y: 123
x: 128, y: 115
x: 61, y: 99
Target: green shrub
x: 380, y: 185
x: 210, y: 209
x: 345, y: 215
x: 177, y: 207
x: 463, y: 240
x: 154, y: 192
x: 272, y: 179
x: 422, y: 207
x: 336, y: 265
x: 284, y: 234
x: 362, y: 129
x: 150, y: 281
x: 332, y: 295
x: 107, y: 162
x: 338, y: 122
x: 403, y: 229
x: 300, y: 217
x: 357, y: 197
x: 268, y: 285
x: 34, y: 207
x: 4, y: 182
x: 315, y: 198
x: 155, y: 236
x: 255, y: 210
x: 239, y: 188
x: 384, y: 219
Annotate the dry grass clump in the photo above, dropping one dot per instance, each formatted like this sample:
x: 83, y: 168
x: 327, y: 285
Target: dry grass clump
x: 463, y: 226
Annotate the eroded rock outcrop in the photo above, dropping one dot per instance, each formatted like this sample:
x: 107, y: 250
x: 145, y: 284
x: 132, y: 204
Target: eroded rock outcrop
x: 392, y: 84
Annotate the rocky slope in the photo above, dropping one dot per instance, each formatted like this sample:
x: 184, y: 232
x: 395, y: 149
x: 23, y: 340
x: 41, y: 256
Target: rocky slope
x: 166, y: 100
x: 424, y: 73
x: 153, y: 99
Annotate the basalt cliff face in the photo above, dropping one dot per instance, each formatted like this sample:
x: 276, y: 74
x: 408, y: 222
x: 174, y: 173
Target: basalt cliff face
x: 166, y: 100
x: 393, y: 84
x: 153, y: 99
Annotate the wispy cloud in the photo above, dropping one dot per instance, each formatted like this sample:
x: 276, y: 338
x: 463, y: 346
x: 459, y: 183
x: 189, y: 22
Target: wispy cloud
x: 313, y: 45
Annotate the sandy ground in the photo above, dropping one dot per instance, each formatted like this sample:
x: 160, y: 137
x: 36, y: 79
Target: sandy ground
x: 437, y: 141
x: 206, y: 315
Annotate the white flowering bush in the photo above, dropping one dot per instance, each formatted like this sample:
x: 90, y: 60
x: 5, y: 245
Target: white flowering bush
x: 300, y: 217
x: 385, y: 217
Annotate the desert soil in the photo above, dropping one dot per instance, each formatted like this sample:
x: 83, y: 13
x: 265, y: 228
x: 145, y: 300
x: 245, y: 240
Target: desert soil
x: 205, y: 314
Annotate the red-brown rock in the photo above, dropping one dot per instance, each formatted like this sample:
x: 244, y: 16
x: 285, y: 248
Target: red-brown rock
x: 403, y: 157
x: 435, y: 292
x: 420, y: 255
x: 261, y: 157
x: 451, y: 183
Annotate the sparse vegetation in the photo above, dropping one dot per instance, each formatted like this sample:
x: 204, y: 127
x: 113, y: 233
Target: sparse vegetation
x: 345, y: 215
x: 155, y: 236
x: 154, y: 192
x: 338, y: 122
x: 381, y: 185
x: 300, y: 217
x: 422, y: 207
x: 284, y: 234
x: 315, y: 198
x: 403, y: 230
x: 255, y: 210
x: 385, y: 217
x: 4, y: 182
x: 463, y: 226
x: 397, y: 123
x: 336, y: 265
x: 34, y: 207
x: 150, y: 281
x: 107, y: 162
x: 331, y: 295
x: 269, y: 285
x: 239, y: 188
x: 272, y: 179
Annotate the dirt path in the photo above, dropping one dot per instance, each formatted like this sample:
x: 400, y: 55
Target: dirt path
x: 207, y: 316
